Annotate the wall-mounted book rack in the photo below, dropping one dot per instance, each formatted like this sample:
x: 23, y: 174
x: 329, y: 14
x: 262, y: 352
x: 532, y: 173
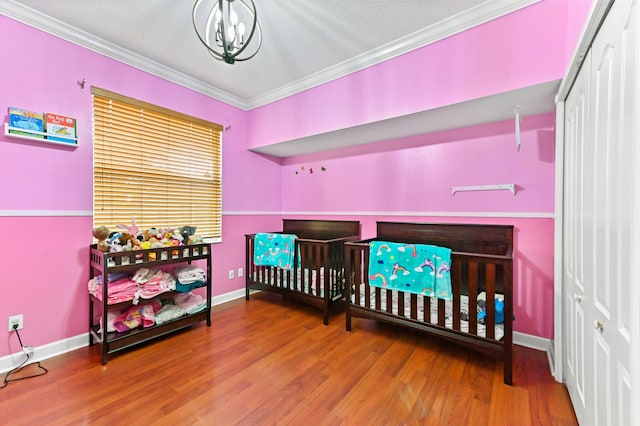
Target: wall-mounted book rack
x: 36, y: 136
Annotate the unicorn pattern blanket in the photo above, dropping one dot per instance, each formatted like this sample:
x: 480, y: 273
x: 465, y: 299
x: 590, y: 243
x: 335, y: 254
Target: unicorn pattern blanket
x: 274, y: 250
x: 414, y: 268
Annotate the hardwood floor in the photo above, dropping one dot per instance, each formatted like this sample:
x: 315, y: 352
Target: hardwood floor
x: 269, y: 361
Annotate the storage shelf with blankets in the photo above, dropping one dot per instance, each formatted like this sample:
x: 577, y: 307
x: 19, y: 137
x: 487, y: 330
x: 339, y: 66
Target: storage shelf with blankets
x: 304, y: 261
x: 133, y: 299
x: 439, y: 279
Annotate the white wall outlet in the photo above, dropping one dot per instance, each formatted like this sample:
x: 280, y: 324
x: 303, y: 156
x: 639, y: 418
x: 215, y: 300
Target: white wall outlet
x: 230, y: 274
x: 16, y: 319
x: 240, y: 272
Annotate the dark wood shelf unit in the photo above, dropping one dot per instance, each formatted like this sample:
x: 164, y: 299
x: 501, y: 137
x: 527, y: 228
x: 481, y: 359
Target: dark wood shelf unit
x: 102, y: 263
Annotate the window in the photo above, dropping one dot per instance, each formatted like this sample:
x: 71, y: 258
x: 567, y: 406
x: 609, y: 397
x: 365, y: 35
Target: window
x: 161, y: 167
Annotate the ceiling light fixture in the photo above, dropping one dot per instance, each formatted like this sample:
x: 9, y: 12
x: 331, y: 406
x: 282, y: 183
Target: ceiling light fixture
x: 222, y: 28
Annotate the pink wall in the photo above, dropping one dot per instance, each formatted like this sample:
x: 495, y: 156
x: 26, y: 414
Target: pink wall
x: 45, y: 264
x: 417, y: 173
x: 521, y: 49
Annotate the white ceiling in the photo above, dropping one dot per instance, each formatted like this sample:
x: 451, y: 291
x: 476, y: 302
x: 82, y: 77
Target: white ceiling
x: 305, y: 42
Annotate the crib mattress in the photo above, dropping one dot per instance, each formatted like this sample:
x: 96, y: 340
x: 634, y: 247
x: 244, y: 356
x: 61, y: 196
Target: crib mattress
x: 464, y: 304
x: 303, y: 283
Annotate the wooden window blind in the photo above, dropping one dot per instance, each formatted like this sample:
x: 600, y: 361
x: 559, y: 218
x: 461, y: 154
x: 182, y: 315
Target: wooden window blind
x: 161, y: 167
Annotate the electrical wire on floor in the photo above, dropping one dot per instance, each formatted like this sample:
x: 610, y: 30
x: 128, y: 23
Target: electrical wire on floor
x: 28, y: 351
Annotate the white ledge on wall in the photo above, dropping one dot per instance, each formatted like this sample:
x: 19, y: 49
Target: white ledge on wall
x: 534, y: 100
x: 508, y: 186
x: 41, y: 137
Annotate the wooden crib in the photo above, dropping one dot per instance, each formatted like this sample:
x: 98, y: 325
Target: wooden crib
x: 317, y: 278
x: 481, y: 261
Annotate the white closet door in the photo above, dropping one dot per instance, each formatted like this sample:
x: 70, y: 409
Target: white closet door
x: 600, y: 189
x: 578, y: 181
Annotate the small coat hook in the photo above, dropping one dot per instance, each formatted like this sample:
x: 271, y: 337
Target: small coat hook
x: 226, y: 129
x: 517, y: 113
x: 81, y: 83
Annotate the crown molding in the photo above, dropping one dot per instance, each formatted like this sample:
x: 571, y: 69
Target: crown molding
x: 480, y: 14
x: 35, y: 19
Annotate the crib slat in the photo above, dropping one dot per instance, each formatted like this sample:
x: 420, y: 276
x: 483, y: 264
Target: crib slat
x: 401, y: 303
x: 473, y: 298
x: 356, y: 258
x: 441, y: 313
x: 426, y: 303
x: 490, y: 305
x: 367, y: 288
x: 378, y: 298
x: 414, y: 306
x: 389, y: 301
x: 456, y: 278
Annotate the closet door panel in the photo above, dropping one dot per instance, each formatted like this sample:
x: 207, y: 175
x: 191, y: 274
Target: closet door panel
x: 614, y: 113
x: 578, y: 236
x: 601, y: 225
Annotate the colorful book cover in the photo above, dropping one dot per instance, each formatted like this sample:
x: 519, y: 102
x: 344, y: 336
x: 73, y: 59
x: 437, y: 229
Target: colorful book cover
x: 61, y: 128
x: 28, y: 120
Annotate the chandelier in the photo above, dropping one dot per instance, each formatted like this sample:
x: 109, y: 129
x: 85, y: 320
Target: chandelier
x: 227, y: 27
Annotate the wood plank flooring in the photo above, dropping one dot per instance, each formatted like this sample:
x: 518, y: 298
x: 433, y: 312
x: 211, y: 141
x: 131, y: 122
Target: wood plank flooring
x: 270, y: 361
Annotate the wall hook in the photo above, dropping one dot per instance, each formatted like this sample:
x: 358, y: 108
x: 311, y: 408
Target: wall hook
x: 81, y: 83
x: 517, y: 113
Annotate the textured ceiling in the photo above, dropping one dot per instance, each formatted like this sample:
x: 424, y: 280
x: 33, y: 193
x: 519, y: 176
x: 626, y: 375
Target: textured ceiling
x: 305, y: 42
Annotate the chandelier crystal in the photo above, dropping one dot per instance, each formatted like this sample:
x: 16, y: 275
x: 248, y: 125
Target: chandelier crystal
x: 227, y: 28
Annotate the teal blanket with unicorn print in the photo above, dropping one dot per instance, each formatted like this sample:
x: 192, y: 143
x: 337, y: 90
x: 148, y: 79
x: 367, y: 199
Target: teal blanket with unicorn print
x: 414, y: 268
x: 274, y: 250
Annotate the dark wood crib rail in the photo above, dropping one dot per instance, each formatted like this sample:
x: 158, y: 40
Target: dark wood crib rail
x: 471, y: 273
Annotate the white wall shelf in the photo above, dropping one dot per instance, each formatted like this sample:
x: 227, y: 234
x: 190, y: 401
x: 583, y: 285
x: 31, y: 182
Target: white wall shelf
x: 508, y: 186
x: 34, y: 136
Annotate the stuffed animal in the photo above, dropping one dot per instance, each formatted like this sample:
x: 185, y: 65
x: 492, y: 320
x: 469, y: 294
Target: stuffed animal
x: 186, y: 232
x: 128, y: 241
x: 101, y: 233
x: 130, y: 229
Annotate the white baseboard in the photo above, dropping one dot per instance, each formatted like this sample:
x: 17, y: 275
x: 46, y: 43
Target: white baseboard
x: 533, y: 342
x: 228, y: 297
x: 45, y: 351
x: 76, y: 342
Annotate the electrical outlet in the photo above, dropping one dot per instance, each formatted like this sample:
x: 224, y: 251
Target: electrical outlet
x: 230, y: 274
x: 240, y: 272
x: 16, y: 319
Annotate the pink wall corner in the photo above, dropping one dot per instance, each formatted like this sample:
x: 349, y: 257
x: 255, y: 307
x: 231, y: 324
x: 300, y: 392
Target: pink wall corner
x: 521, y: 49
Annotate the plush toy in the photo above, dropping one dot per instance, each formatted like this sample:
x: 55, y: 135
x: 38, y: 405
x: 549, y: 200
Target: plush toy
x: 101, y: 233
x: 195, y: 239
x: 130, y: 229
x: 186, y: 232
x: 128, y: 241
x: 114, y: 242
x: 152, y: 233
